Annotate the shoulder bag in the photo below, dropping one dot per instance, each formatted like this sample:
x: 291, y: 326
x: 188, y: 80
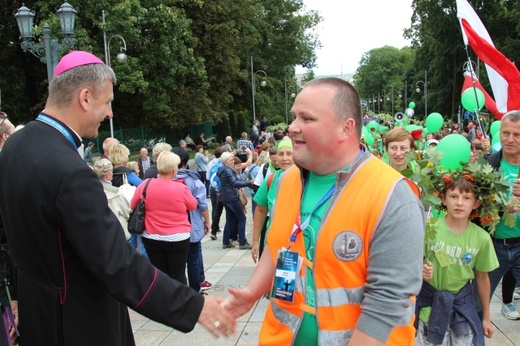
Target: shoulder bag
x: 136, y: 220
x: 126, y: 189
x: 242, y: 197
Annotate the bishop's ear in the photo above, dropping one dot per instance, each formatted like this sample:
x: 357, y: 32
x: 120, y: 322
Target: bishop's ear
x: 85, y: 98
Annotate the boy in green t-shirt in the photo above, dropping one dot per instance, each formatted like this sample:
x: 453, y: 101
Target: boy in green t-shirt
x: 460, y: 252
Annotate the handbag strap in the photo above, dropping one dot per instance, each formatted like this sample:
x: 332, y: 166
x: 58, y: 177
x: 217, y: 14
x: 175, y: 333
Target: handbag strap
x: 143, y: 195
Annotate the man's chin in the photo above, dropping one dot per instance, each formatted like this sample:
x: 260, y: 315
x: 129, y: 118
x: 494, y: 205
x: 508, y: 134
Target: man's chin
x: 90, y: 134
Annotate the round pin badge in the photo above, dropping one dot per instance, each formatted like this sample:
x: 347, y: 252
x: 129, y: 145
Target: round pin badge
x: 466, y: 258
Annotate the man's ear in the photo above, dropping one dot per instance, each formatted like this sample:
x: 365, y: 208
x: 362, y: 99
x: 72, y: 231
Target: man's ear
x: 349, y: 127
x: 85, y: 98
x: 477, y: 204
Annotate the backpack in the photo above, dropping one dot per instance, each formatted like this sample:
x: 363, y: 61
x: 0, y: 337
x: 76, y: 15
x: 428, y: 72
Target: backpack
x: 214, y: 180
x: 252, y: 169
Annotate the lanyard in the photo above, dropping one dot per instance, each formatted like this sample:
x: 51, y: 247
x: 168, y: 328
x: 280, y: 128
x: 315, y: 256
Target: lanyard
x: 56, y: 125
x: 298, y: 225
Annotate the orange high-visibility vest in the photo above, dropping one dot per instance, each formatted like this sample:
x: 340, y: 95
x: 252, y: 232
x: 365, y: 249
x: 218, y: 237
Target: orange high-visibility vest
x: 341, y: 257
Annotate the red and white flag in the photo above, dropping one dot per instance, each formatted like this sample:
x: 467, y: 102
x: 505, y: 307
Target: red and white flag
x: 503, y: 74
x: 470, y: 81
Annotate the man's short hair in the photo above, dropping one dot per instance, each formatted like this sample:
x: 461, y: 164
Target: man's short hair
x: 513, y: 116
x: 345, y: 103
x: 108, y: 143
x: 63, y: 87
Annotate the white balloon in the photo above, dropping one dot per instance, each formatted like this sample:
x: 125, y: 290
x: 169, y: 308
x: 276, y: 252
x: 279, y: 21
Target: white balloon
x: 409, y: 112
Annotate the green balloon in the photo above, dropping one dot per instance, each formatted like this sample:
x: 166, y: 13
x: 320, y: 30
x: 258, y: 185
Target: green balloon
x: 470, y: 102
x: 434, y: 122
x: 413, y: 127
x: 411, y: 105
x: 425, y: 132
x: 369, y: 139
x: 398, y: 124
x: 496, y: 139
x: 364, y: 131
x: 495, y: 126
x: 373, y: 125
x: 383, y: 129
x: 456, y: 148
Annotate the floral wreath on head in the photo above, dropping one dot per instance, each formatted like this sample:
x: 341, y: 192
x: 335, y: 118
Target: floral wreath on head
x: 490, y: 188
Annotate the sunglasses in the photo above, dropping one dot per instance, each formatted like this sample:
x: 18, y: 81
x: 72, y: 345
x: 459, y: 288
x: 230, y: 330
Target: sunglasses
x: 3, y: 116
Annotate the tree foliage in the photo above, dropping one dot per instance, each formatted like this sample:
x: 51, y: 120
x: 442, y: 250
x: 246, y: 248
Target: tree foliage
x: 437, y: 48
x: 382, y: 73
x: 188, y: 61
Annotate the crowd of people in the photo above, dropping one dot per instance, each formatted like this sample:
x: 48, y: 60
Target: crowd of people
x: 338, y: 232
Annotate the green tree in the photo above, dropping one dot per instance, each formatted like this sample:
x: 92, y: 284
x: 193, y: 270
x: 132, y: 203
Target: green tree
x: 383, y: 70
x: 188, y: 60
x: 437, y: 39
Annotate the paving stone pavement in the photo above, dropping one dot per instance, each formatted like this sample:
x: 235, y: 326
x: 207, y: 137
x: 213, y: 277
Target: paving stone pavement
x: 233, y: 267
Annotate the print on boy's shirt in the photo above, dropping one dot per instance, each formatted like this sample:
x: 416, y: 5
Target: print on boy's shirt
x: 457, y: 254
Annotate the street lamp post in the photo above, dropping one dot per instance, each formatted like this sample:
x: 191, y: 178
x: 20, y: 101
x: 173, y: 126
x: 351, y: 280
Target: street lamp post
x: 405, y: 94
x: 121, y: 56
x: 294, y: 91
x: 387, y: 98
x: 425, y: 87
x: 253, y: 85
x: 47, y: 51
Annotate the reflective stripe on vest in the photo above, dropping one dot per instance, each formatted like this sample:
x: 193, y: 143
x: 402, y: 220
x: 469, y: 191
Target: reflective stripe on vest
x: 339, y: 296
x: 336, y: 337
x: 284, y: 317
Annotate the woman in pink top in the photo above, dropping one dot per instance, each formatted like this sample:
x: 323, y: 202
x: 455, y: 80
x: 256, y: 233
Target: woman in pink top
x: 167, y: 228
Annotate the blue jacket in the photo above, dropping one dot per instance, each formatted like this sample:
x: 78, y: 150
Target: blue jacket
x: 229, y: 183
x: 198, y: 190
x: 449, y: 310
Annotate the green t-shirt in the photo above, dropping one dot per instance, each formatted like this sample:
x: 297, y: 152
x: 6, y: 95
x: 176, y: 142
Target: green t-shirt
x: 510, y: 174
x: 317, y: 186
x: 265, y: 197
x: 471, y: 249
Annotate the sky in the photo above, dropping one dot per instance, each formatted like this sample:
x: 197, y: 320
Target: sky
x: 350, y: 28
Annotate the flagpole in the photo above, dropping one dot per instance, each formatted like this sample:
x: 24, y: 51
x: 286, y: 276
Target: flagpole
x: 477, y: 111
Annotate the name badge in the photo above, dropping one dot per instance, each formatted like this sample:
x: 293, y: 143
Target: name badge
x: 285, y: 275
x: 443, y: 258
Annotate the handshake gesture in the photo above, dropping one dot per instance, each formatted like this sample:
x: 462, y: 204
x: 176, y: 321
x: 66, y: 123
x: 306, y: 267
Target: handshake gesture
x: 219, y: 314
